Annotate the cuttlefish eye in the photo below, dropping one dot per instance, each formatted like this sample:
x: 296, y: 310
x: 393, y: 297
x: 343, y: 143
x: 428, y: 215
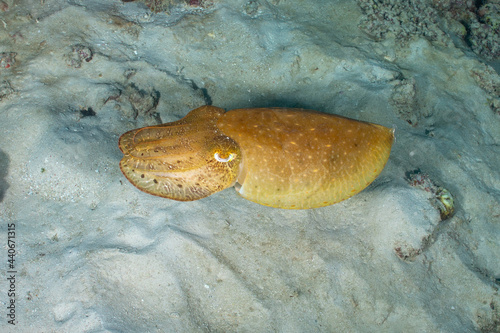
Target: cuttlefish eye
x: 278, y: 157
x: 224, y: 157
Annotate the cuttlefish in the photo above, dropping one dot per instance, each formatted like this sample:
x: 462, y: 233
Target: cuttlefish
x: 278, y: 157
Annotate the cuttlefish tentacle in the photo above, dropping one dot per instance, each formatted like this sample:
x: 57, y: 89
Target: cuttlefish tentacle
x: 185, y: 160
x: 279, y: 157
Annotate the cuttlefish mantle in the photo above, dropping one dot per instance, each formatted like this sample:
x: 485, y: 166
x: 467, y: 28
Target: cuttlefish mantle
x: 278, y: 157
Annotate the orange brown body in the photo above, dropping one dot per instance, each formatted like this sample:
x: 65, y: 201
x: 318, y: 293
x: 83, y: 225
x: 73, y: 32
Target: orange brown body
x: 278, y: 157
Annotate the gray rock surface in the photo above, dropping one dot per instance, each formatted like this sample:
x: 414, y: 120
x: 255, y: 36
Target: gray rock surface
x: 94, y: 254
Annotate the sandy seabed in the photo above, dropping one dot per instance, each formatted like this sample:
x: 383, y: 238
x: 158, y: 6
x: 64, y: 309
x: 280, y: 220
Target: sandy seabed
x: 91, y: 253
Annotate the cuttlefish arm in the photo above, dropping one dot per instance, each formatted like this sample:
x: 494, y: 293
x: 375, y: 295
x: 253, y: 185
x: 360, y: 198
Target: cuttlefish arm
x: 278, y: 157
x: 184, y: 160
